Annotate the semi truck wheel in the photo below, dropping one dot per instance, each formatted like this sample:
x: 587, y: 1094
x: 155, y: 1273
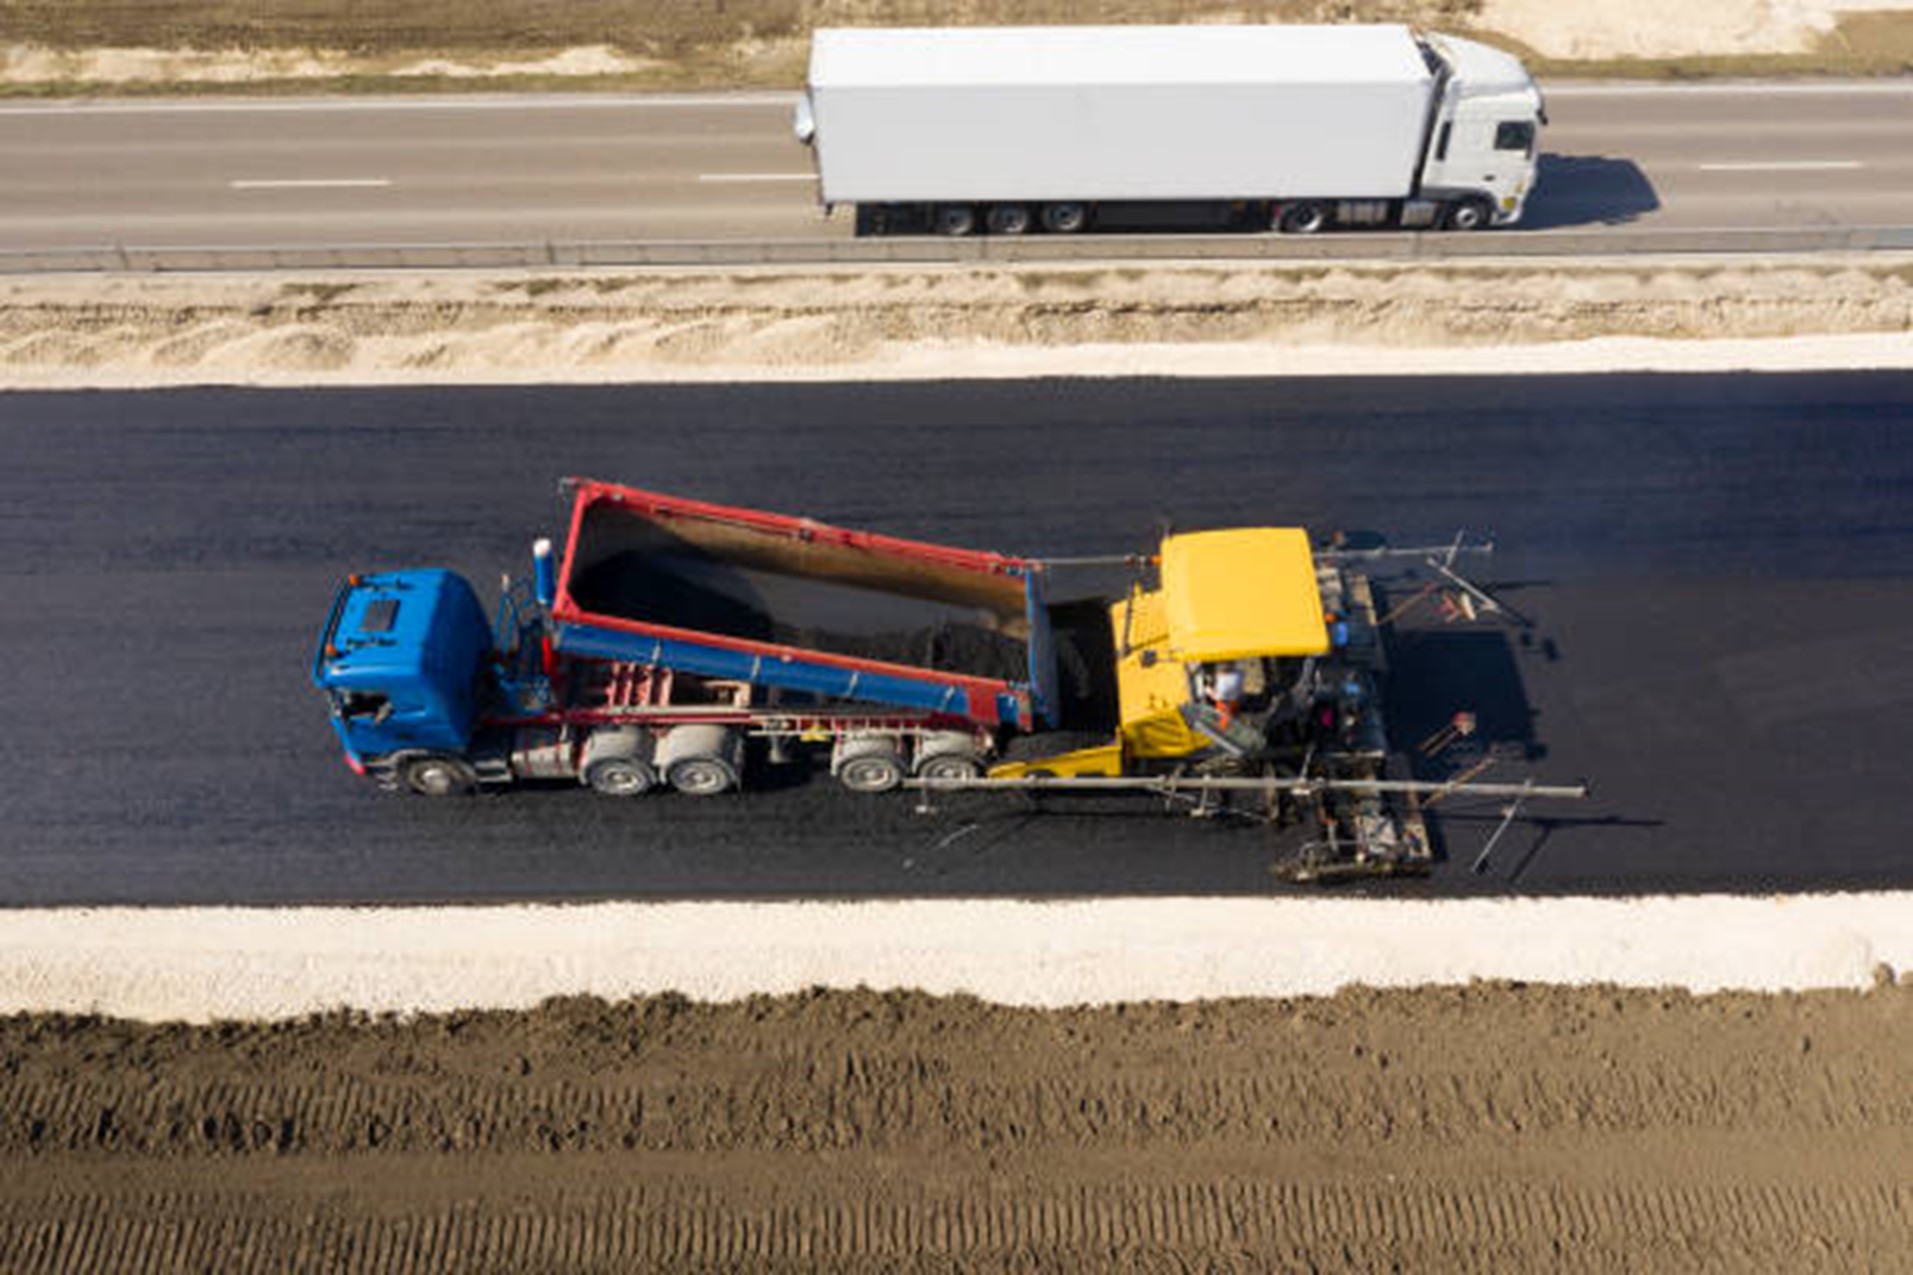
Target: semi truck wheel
x: 620, y: 777
x: 1470, y: 214
x: 702, y: 776
x: 1305, y: 218
x: 948, y: 755
x: 868, y: 763
x: 953, y: 219
x: 1008, y: 219
x: 1065, y: 218
x: 875, y: 773
x: 950, y: 766
x: 436, y: 775
x: 617, y: 762
x: 701, y: 760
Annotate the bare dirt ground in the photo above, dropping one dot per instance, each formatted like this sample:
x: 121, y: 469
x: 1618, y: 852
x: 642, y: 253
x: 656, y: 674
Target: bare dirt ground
x: 1490, y: 1127
x: 74, y: 46
x: 844, y: 323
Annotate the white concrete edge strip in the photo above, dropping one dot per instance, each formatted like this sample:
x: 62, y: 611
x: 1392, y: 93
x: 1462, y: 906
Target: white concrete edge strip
x: 976, y: 360
x: 200, y: 964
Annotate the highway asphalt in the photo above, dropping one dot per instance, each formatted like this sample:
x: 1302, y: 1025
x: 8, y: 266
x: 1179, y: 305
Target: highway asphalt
x: 673, y: 167
x: 1719, y: 570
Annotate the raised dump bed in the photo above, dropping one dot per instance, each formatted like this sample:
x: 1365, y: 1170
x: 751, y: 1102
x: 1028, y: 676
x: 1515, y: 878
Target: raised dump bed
x: 798, y: 605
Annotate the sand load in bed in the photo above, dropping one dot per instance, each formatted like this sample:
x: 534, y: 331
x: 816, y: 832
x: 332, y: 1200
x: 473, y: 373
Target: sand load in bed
x: 767, y: 585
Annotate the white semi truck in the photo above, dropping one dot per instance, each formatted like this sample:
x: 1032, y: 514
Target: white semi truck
x: 1062, y: 129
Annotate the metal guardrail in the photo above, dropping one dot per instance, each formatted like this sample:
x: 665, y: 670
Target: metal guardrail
x: 127, y: 258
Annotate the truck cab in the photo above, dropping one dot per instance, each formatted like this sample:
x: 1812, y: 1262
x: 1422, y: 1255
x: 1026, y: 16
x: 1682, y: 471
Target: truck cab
x: 403, y: 661
x: 1482, y: 155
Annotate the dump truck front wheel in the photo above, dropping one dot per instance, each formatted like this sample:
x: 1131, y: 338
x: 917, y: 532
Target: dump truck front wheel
x: 436, y: 775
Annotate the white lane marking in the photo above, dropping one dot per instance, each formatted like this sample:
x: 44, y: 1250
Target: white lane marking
x: 1782, y: 166
x: 503, y: 102
x: 757, y: 177
x: 309, y: 183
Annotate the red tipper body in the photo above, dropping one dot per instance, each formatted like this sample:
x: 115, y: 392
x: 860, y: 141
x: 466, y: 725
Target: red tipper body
x: 801, y: 606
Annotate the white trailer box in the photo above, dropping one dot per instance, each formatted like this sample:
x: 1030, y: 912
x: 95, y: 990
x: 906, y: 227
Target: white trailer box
x: 1118, y: 113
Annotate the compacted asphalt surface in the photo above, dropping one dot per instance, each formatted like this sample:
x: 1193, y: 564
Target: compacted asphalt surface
x: 1718, y: 571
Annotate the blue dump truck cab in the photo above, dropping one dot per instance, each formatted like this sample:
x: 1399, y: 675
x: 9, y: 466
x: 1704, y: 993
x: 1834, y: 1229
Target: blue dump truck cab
x: 404, y: 662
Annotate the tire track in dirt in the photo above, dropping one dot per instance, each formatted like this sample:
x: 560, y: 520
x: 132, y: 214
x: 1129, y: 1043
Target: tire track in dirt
x: 1233, y: 1225
x: 1492, y: 1127
x: 224, y: 1117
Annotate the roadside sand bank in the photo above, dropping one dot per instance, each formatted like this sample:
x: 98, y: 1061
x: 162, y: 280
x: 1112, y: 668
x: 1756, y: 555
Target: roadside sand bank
x: 927, y: 322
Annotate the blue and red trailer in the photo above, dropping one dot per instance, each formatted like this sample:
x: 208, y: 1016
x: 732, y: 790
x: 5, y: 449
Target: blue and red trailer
x: 669, y: 633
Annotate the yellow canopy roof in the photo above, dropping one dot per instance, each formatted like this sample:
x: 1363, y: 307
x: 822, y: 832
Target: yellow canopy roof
x: 1233, y: 595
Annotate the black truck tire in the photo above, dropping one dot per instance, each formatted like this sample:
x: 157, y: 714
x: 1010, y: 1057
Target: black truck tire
x: 438, y: 775
x: 1008, y: 219
x: 1473, y: 213
x: 1065, y: 217
x: 620, y: 777
x: 701, y: 760
x: 1305, y: 218
x: 953, y: 220
x: 870, y: 762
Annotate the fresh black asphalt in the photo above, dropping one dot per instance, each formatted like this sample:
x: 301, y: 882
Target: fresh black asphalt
x: 1719, y: 570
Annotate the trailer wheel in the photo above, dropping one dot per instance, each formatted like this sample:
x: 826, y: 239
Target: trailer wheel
x: 1065, y: 218
x: 617, y: 761
x: 877, y: 772
x: 1008, y: 219
x: 953, y: 219
x: 950, y: 766
x: 702, y: 776
x: 621, y: 777
x: 437, y: 775
x: 1474, y: 213
x: 948, y: 754
x: 868, y: 761
x: 701, y: 760
x: 1305, y: 218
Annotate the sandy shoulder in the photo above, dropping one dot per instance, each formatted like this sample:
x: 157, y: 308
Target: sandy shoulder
x: 204, y: 963
x: 823, y: 323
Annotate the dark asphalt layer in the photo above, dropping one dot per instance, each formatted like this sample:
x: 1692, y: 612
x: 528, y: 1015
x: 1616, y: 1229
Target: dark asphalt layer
x: 1720, y: 571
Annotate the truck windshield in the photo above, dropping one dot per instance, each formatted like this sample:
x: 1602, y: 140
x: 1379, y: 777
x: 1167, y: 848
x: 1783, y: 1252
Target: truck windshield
x: 1514, y: 135
x: 363, y: 704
